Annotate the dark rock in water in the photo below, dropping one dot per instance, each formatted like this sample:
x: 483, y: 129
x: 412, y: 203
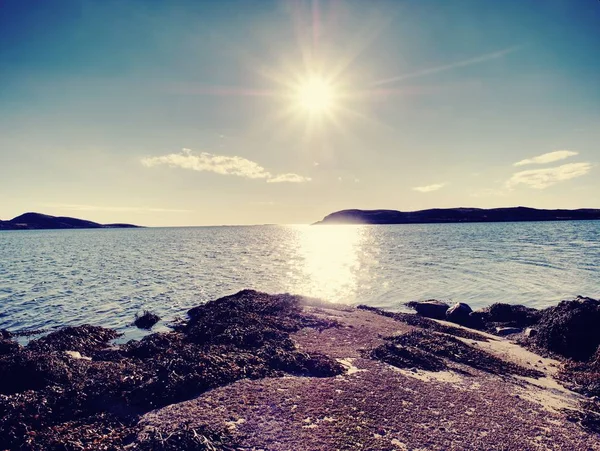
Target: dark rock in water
x: 508, y: 330
x: 146, y: 320
x: 459, y: 314
x: 571, y: 329
x: 431, y: 309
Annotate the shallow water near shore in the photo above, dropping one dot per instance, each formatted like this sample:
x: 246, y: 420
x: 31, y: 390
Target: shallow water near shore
x: 104, y: 277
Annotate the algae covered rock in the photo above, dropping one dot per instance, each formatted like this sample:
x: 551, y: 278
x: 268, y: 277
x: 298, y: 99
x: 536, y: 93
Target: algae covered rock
x: 459, y: 314
x: 571, y: 329
x: 431, y: 309
x: 146, y: 320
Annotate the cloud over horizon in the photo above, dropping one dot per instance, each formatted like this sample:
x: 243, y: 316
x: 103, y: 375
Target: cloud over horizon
x: 543, y: 178
x: 429, y: 188
x: 288, y: 178
x: 549, y: 157
x: 221, y: 164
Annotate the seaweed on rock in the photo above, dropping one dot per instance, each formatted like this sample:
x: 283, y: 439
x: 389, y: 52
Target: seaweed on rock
x: 51, y: 399
x: 426, y: 323
x: 427, y: 350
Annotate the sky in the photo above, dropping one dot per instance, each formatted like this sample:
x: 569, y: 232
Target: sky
x: 173, y: 113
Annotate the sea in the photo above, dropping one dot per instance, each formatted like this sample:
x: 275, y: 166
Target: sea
x: 53, y: 278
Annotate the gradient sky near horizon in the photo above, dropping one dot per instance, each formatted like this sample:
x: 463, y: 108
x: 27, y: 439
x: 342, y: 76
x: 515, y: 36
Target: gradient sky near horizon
x: 185, y: 112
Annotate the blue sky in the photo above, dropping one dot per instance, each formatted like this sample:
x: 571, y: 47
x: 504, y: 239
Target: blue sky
x: 187, y: 113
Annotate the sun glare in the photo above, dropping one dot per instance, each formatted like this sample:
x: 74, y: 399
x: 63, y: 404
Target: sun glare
x: 316, y: 95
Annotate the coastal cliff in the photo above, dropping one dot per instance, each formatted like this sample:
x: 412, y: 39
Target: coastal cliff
x: 37, y: 221
x: 450, y: 215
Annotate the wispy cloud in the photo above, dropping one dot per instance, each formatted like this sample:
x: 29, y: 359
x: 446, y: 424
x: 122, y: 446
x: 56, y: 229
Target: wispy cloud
x: 83, y: 207
x: 429, y: 188
x: 543, y: 178
x: 221, y: 164
x: 446, y: 67
x: 549, y: 157
x: 288, y: 178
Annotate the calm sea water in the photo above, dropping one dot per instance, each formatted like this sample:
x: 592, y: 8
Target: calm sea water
x: 104, y: 277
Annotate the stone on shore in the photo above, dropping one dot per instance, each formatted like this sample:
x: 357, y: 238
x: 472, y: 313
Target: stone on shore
x: 571, y: 329
x: 431, y: 309
x: 459, y: 314
x: 508, y: 315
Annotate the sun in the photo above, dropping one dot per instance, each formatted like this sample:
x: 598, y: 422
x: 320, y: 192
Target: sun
x: 316, y: 95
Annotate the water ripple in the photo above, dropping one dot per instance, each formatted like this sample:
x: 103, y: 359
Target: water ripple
x: 53, y: 278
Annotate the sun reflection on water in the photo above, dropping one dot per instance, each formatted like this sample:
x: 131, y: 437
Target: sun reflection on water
x: 330, y: 260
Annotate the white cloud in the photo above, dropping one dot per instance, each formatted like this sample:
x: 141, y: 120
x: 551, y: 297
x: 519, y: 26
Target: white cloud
x: 221, y: 164
x: 288, y: 178
x: 543, y: 178
x: 429, y: 188
x: 549, y: 157
x: 211, y: 163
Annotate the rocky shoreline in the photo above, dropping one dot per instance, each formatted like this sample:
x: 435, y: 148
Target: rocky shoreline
x: 280, y: 372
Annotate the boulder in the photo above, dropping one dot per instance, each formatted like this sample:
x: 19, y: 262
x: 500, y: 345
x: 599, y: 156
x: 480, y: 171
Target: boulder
x: 508, y: 315
x: 571, y: 329
x: 431, y: 308
x: 146, y: 320
x: 459, y: 313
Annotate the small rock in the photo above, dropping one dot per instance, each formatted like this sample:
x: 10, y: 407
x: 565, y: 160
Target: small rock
x: 459, y: 314
x: 430, y: 309
x: 508, y: 330
x: 146, y: 320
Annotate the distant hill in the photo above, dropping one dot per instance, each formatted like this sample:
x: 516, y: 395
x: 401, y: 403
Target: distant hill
x: 31, y: 221
x: 448, y: 215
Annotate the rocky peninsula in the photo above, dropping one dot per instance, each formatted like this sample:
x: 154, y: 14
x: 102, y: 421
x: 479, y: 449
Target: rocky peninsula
x: 254, y: 371
x: 37, y: 221
x: 451, y: 215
